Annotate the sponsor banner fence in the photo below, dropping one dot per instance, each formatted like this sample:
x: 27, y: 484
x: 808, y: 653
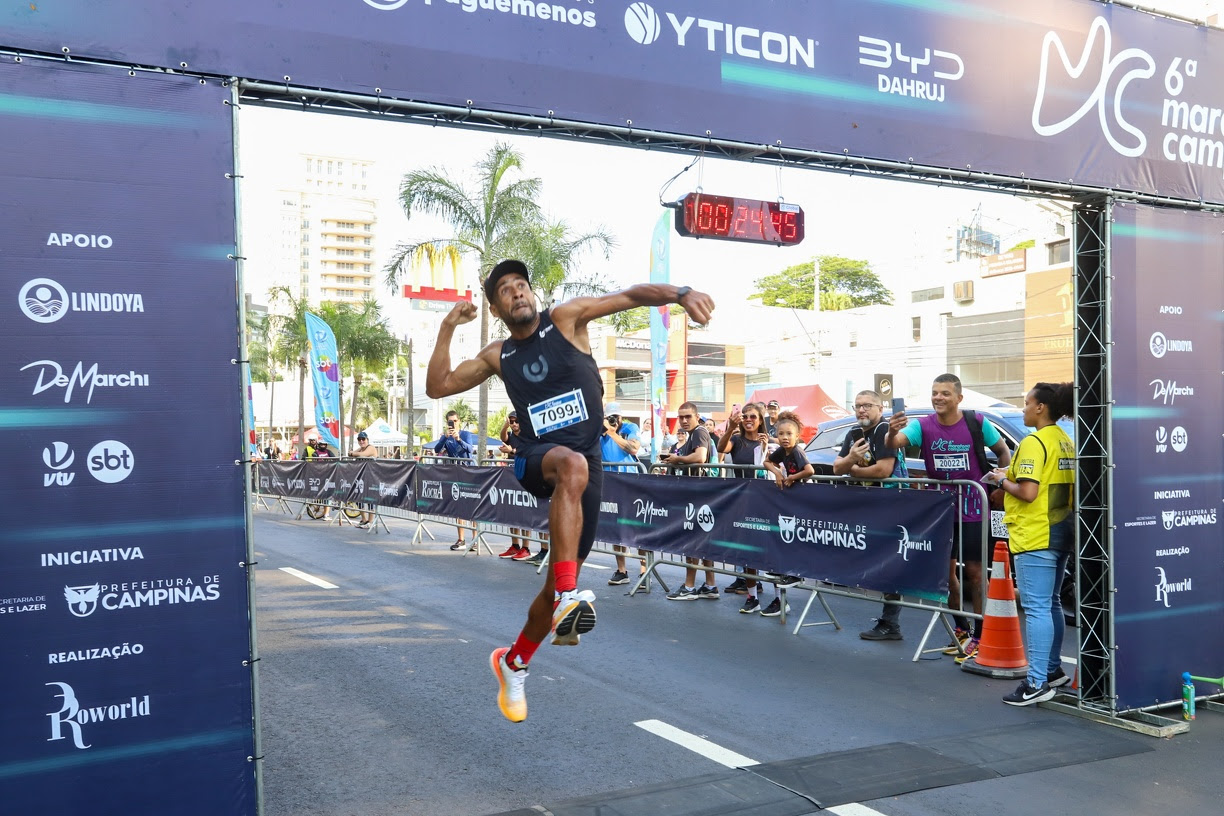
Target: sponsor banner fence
x: 1074, y: 91
x: 886, y: 540
x: 123, y: 593
x: 1168, y: 435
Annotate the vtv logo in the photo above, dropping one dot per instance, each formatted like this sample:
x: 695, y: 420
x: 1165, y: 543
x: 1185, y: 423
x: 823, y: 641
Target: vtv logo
x: 703, y: 517
x: 1162, y: 439
x: 1106, y: 68
x: 58, y: 457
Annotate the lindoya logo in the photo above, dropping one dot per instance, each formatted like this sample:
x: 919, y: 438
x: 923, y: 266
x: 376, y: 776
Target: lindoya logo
x: 75, y: 717
x: 110, y: 461
x: 45, y: 301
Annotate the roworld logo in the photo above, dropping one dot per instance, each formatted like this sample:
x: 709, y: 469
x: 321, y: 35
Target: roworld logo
x: 58, y: 457
x: 702, y: 517
x: 906, y: 545
x: 45, y: 301
x: 73, y: 715
x: 110, y: 461
x: 83, y: 601
x: 1107, y: 73
x: 1167, y: 391
x: 1161, y: 345
x: 642, y: 24
x: 1165, y: 588
x: 51, y: 375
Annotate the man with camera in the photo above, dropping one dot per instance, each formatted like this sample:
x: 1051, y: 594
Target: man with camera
x: 453, y: 444
x: 619, y: 442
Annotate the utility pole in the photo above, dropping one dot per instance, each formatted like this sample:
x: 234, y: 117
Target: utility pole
x: 411, y: 408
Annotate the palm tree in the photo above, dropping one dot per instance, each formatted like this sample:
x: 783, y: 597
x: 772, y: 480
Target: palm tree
x: 363, y: 343
x: 289, y: 341
x: 261, y: 363
x: 552, y: 253
x: 485, y: 222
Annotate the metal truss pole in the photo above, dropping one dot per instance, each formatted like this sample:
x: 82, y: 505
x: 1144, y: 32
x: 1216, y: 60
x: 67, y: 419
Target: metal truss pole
x: 1094, y: 578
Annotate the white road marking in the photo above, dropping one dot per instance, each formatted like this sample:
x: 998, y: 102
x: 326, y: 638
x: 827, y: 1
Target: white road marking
x: 853, y: 809
x: 696, y: 744
x: 595, y: 566
x: 308, y: 578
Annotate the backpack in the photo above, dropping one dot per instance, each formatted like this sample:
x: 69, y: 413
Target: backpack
x: 974, y: 425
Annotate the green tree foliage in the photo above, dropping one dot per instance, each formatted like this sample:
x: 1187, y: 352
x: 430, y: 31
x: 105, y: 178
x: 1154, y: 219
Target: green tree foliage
x: 845, y: 283
x: 465, y: 412
x: 1029, y: 244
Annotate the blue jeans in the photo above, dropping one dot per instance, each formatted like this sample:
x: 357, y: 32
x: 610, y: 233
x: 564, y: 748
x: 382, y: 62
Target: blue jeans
x: 1039, y: 577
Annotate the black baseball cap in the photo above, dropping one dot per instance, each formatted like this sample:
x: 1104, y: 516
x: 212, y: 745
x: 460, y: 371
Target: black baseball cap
x: 506, y: 267
x: 363, y: 435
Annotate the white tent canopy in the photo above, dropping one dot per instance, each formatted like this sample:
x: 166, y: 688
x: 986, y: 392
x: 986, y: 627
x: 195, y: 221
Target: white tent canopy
x: 381, y: 433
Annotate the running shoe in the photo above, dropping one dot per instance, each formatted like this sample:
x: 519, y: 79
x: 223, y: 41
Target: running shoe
x: 535, y: 560
x: 960, y: 638
x: 618, y: 578
x: 881, y: 631
x: 1026, y: 694
x: 774, y: 609
x: 1057, y: 678
x: 459, y: 545
x: 787, y: 580
x: 737, y: 587
x: 683, y: 593
x: 573, y: 615
x: 523, y: 554
x: 751, y: 605
x: 971, y: 647
x: 510, y: 552
x: 708, y: 593
x: 511, y: 698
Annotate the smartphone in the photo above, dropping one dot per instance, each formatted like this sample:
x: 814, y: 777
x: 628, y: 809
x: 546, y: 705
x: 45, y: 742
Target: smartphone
x: 735, y: 408
x: 898, y: 405
x: 451, y: 423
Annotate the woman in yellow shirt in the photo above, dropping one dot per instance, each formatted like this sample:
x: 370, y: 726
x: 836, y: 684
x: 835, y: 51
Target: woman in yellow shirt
x: 1039, y: 485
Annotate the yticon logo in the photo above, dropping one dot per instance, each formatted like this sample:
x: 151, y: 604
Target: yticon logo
x: 1108, y: 70
x: 643, y: 25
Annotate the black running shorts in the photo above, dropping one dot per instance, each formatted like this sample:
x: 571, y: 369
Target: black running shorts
x: 529, y: 469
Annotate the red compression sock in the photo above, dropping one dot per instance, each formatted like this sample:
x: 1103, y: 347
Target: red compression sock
x: 565, y: 576
x: 520, y: 653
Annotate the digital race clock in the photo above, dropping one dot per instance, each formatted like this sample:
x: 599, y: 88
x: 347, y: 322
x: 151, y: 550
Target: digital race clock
x: 699, y: 215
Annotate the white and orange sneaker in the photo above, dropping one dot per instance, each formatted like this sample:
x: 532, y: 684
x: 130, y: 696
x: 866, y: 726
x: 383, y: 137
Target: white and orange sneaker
x: 573, y: 615
x: 511, y: 698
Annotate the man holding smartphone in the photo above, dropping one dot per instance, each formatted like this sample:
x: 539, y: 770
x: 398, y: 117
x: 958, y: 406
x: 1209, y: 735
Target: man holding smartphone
x: 452, y: 444
x: 865, y: 455
x: 619, y: 442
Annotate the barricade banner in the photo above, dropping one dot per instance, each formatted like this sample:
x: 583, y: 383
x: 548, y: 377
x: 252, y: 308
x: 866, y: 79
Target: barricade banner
x: 452, y: 491
x: 506, y: 502
x: 387, y: 483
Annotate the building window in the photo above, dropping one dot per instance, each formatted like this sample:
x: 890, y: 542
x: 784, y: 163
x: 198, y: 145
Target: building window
x: 305, y: 264
x: 346, y: 252
x: 368, y: 242
x: 1060, y: 252
x: 853, y: 339
x: 368, y: 227
x: 923, y: 295
x: 916, y: 322
x: 329, y: 167
x: 305, y: 251
x: 345, y: 239
x: 344, y: 293
x: 307, y: 165
x: 344, y: 265
x: 367, y: 254
x: 346, y: 279
x: 706, y: 388
x: 305, y: 225
x: 345, y: 225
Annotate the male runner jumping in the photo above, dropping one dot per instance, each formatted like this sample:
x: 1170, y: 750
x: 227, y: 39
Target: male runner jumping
x: 557, y: 392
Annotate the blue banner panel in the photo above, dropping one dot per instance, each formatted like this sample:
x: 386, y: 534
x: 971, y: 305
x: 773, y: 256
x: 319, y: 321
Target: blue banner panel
x: 1060, y: 90
x: 452, y: 491
x: 123, y: 600
x: 1168, y: 444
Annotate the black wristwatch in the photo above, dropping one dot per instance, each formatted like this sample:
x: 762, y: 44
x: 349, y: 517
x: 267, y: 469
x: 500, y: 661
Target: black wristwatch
x: 681, y: 292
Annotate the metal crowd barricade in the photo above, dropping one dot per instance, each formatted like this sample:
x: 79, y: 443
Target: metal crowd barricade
x: 477, y: 538
x: 938, y: 614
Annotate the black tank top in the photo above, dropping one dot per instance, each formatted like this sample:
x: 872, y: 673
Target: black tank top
x: 555, y: 388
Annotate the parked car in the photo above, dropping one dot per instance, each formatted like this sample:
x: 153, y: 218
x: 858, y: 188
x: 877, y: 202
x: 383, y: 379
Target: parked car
x: 830, y: 435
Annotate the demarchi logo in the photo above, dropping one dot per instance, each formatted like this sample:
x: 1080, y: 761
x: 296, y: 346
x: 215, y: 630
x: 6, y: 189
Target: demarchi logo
x: 51, y: 375
x: 1108, y: 111
x: 45, y: 301
x: 1167, y: 391
x: 1160, y: 345
x: 83, y: 601
x: 75, y: 717
x: 906, y: 544
x: 702, y: 516
x: 646, y: 511
x: 644, y: 26
x: 1164, y: 587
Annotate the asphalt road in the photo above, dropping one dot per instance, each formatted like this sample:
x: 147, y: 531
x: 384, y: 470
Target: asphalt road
x: 377, y: 700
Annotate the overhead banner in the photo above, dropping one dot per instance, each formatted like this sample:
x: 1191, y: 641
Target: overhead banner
x: 1073, y: 91
x: 1168, y: 447
x: 124, y: 607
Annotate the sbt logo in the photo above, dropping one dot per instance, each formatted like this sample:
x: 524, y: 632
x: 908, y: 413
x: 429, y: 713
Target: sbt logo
x: 72, y: 717
x: 703, y: 517
x: 110, y: 461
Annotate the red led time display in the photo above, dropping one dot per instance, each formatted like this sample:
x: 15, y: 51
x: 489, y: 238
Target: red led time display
x: 699, y: 215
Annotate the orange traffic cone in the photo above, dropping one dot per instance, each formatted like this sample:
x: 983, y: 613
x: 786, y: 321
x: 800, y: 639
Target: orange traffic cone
x: 1001, y: 652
